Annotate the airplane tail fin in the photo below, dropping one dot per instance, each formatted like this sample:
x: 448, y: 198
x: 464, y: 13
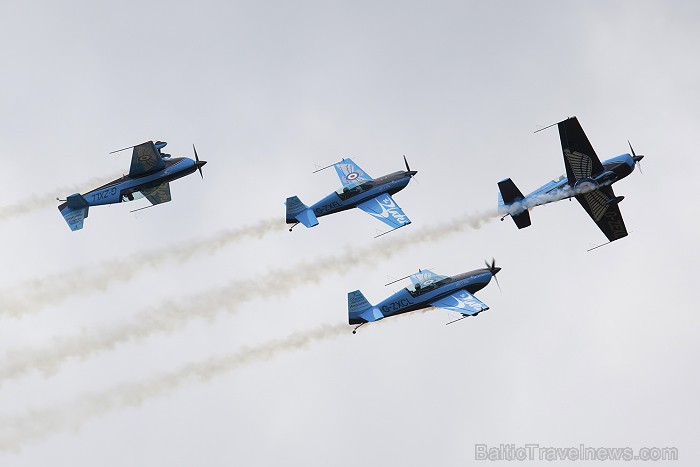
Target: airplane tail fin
x: 74, y: 211
x: 359, y: 309
x: 509, y: 197
x: 299, y: 212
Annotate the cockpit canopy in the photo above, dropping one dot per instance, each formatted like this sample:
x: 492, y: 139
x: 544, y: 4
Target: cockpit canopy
x: 424, y: 282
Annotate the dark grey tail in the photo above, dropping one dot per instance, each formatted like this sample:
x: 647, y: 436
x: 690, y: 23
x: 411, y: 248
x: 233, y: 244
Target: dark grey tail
x: 509, y: 198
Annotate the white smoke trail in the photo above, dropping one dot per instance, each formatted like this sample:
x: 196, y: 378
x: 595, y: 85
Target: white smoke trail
x: 532, y: 201
x: 35, y: 202
x: 172, y: 315
x: 33, y: 295
x: 37, y: 424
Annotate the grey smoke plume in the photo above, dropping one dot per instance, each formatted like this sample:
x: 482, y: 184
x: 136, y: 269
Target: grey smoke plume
x: 172, y: 315
x: 36, y: 202
x: 37, y: 424
x: 33, y: 295
x: 532, y: 201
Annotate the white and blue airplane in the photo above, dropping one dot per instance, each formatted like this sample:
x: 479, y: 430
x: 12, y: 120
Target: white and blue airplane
x: 149, y: 176
x: 586, y: 179
x: 427, y: 289
x: 359, y: 190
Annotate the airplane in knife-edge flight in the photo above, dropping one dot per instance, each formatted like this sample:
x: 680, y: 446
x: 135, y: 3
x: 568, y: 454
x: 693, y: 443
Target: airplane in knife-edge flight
x: 359, y: 190
x: 586, y: 179
x: 427, y: 289
x: 149, y: 176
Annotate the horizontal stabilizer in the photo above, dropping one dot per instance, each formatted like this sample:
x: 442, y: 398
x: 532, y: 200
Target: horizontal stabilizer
x: 76, y: 201
x: 508, y: 195
x: 509, y: 192
x: 522, y: 220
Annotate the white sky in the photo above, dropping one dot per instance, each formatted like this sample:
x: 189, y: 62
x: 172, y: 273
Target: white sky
x: 597, y: 348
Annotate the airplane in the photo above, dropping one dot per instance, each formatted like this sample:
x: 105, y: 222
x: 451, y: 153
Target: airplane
x: 372, y: 195
x: 427, y: 289
x: 150, y: 175
x: 586, y: 179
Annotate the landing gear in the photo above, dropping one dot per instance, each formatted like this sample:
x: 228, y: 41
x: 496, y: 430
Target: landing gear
x: 290, y: 229
x: 354, y: 331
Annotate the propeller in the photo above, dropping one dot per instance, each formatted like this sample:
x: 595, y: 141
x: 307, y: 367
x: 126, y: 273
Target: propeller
x: 198, y: 163
x: 637, y: 159
x: 493, y: 269
x: 411, y: 173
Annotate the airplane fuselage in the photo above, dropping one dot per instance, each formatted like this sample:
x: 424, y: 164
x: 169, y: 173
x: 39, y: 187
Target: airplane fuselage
x: 122, y: 189
x: 614, y: 169
x: 348, y: 198
x: 406, y: 300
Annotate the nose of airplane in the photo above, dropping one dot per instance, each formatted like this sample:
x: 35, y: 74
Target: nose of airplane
x: 411, y: 173
x: 201, y: 163
x: 495, y: 270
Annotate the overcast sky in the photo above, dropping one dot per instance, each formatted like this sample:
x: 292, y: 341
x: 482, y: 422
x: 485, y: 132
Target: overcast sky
x: 597, y: 348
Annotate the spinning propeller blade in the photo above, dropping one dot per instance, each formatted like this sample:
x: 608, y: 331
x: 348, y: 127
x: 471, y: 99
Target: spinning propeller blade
x: 411, y: 173
x: 493, y: 269
x: 637, y: 158
x: 199, y: 165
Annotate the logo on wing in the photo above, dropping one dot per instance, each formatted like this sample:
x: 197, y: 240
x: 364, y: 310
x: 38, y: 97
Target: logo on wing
x: 389, y: 208
x: 468, y: 302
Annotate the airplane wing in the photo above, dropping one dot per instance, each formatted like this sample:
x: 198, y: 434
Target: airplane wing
x: 159, y: 194
x: 350, y: 173
x: 145, y: 159
x: 462, y: 302
x: 384, y: 208
x: 607, y: 216
x: 580, y: 159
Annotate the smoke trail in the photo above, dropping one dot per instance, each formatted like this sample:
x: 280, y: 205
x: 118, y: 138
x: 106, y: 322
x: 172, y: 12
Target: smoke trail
x: 532, y: 201
x: 33, y: 295
x: 37, y: 424
x: 36, y: 202
x: 172, y: 315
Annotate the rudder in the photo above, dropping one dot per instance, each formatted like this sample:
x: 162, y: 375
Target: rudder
x: 360, y: 310
x: 298, y: 212
x: 74, y: 211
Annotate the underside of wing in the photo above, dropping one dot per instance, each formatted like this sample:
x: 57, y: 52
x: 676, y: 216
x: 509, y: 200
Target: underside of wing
x: 351, y: 174
x: 145, y: 159
x: 462, y: 302
x: 384, y: 208
x: 580, y: 159
x: 159, y: 194
x: 601, y: 206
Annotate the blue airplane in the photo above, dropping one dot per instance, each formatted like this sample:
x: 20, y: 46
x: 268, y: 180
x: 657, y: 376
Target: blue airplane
x: 586, y: 179
x: 359, y: 190
x: 427, y: 289
x: 150, y: 175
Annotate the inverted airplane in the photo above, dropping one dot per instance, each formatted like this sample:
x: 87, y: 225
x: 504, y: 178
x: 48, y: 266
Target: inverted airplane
x: 586, y: 179
x: 149, y: 176
x: 427, y: 289
x: 359, y: 190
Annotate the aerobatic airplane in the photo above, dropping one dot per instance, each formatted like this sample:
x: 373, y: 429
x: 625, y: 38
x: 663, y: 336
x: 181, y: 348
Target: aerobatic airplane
x: 150, y: 175
x: 427, y: 289
x: 586, y: 179
x: 359, y: 190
